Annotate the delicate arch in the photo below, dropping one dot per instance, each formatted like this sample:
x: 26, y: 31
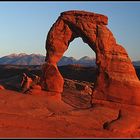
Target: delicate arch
x: 117, y: 79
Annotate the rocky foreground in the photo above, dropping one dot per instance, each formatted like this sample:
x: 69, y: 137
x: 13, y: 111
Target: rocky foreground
x: 41, y: 115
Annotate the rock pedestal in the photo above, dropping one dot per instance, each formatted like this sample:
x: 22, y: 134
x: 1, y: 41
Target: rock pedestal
x: 51, y: 79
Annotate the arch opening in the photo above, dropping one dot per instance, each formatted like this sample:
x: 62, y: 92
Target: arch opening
x: 79, y: 73
x: 78, y: 65
x: 78, y: 48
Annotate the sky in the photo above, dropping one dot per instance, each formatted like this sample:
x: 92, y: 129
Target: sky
x: 24, y: 25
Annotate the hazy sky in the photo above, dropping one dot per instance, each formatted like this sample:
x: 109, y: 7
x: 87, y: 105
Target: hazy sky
x: 24, y: 25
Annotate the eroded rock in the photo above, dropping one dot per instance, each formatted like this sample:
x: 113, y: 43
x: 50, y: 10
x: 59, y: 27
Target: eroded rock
x: 83, y: 87
x: 51, y: 78
x: 78, y: 93
x: 117, y: 80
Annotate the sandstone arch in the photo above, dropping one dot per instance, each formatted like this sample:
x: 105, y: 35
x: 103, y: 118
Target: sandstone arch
x: 117, y: 80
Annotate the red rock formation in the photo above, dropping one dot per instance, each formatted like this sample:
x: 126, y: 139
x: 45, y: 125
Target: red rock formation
x: 117, y: 80
x: 51, y: 78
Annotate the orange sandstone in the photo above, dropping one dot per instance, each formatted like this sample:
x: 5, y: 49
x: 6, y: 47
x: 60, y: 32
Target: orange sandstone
x: 117, y: 80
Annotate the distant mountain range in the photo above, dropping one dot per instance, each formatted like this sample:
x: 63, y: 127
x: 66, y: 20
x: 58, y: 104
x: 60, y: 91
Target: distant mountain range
x: 85, y: 61
x: 38, y: 59
x: 22, y: 59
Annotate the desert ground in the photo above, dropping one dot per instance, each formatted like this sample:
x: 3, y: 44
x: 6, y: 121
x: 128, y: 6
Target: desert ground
x: 42, y: 114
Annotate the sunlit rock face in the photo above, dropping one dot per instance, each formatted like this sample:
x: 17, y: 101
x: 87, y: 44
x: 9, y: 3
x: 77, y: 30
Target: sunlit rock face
x: 117, y: 80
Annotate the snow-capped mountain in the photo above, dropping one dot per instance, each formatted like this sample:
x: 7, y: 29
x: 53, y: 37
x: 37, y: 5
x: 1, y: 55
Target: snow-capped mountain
x: 38, y: 59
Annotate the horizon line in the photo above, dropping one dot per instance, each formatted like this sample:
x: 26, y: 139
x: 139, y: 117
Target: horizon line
x: 62, y: 56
